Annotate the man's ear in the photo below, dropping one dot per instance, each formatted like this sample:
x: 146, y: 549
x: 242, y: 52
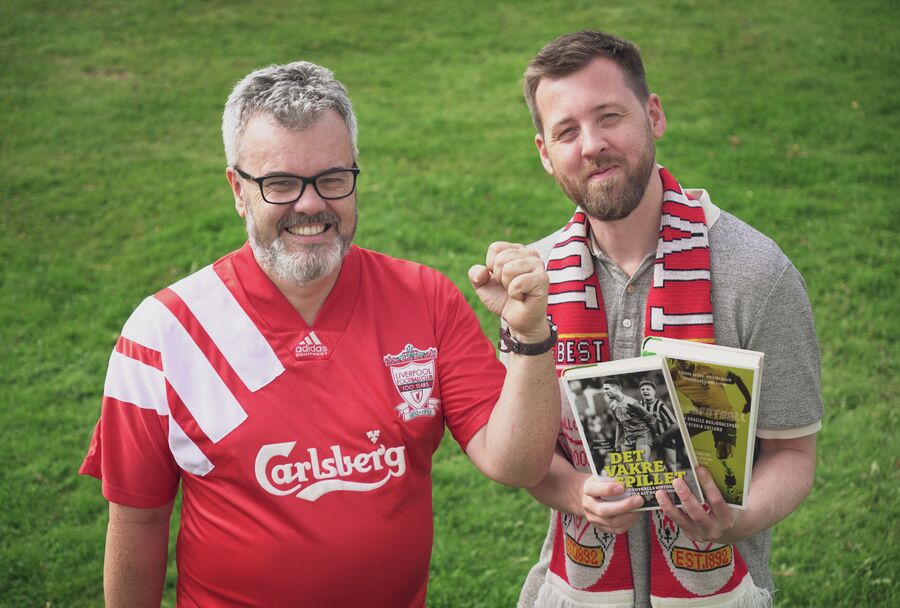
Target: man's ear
x: 234, y: 180
x: 657, y: 116
x: 542, y: 151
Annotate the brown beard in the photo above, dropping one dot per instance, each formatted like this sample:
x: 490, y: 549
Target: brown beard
x: 616, y: 198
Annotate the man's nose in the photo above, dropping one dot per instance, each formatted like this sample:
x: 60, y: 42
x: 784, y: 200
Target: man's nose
x: 593, y: 142
x: 310, y: 202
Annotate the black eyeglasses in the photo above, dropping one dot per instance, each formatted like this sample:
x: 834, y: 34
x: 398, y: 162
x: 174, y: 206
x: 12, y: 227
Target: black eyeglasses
x: 285, y: 188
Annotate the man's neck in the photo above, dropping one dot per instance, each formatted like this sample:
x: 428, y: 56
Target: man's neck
x: 629, y: 240
x: 307, y: 298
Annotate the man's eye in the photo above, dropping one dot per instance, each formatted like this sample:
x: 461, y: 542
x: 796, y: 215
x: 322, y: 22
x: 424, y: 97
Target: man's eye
x: 281, y: 184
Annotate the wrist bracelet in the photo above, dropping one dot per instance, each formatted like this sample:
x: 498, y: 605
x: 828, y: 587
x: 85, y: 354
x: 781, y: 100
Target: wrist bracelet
x: 508, y: 344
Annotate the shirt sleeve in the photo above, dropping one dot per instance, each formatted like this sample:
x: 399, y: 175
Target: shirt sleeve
x: 471, y: 377
x: 129, y: 451
x: 790, y: 397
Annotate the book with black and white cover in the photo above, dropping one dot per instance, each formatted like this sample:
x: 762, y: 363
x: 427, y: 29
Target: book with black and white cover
x: 717, y: 391
x: 630, y: 427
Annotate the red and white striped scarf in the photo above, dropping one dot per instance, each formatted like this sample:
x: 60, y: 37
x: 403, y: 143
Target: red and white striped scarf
x: 590, y: 568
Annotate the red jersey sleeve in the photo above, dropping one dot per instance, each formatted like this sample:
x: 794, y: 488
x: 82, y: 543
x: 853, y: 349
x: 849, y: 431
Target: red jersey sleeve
x: 129, y: 451
x: 471, y: 376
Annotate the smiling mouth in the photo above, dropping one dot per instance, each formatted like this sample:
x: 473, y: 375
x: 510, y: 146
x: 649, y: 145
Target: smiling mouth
x: 307, y: 229
x: 602, y: 172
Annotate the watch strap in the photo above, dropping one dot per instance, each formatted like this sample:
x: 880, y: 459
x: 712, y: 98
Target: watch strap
x: 508, y: 344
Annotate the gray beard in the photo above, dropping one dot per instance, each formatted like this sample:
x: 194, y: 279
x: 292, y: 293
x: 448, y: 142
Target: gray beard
x: 298, y: 267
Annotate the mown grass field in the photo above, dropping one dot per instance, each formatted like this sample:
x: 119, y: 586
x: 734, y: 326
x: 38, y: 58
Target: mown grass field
x: 112, y: 186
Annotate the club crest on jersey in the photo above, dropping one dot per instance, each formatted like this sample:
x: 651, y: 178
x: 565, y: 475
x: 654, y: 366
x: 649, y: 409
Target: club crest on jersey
x: 412, y: 371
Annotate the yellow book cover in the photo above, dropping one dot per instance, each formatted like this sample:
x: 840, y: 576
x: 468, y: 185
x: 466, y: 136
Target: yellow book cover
x: 717, y: 392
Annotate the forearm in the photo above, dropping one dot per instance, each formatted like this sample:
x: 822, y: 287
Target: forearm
x: 782, y: 478
x: 561, y: 488
x: 515, y: 446
x: 519, y: 437
x: 134, y: 567
x: 525, y: 423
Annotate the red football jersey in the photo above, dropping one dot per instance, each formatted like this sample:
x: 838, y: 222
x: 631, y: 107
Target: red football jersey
x: 304, y: 453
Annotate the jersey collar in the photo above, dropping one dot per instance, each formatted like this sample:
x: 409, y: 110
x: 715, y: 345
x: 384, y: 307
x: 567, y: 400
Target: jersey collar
x: 279, y: 321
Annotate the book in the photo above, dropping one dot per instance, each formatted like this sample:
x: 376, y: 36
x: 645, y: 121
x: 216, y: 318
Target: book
x: 717, y: 392
x: 631, y: 430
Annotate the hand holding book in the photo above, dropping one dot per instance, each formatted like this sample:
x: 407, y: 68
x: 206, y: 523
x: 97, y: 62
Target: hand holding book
x: 648, y: 422
x: 631, y: 431
x: 713, y: 522
x: 606, y: 505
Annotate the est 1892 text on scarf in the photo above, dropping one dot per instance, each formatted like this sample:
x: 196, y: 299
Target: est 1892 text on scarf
x: 591, y: 568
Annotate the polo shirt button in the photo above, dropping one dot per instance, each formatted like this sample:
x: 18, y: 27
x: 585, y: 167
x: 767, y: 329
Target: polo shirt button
x: 631, y: 289
x: 626, y: 323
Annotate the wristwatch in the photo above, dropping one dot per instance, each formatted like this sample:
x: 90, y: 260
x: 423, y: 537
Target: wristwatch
x: 508, y: 344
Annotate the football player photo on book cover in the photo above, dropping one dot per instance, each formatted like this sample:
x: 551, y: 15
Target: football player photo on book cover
x: 717, y: 391
x: 716, y: 405
x: 631, y: 429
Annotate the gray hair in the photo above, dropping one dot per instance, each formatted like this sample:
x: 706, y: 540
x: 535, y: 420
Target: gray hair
x: 295, y: 95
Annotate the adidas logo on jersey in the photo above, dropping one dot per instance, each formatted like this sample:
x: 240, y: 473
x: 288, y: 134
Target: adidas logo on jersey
x: 310, y: 347
x: 313, y: 477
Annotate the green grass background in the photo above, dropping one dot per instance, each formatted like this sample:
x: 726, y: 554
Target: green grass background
x: 112, y: 186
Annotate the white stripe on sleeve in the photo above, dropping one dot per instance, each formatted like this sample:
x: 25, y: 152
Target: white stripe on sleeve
x: 133, y: 382
x: 140, y: 326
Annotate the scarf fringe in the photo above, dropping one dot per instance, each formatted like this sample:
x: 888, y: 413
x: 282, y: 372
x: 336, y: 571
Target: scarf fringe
x: 745, y: 595
x: 556, y: 593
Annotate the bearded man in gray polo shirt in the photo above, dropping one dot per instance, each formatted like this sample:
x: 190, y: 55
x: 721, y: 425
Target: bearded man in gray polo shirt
x: 644, y: 256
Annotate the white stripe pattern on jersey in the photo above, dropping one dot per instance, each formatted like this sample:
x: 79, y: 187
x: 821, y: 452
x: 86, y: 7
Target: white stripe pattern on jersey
x: 186, y: 453
x: 207, y: 398
x: 144, y: 386
x: 140, y: 328
x: 187, y: 369
x: 233, y: 332
x: 130, y: 381
x: 133, y: 382
x: 193, y: 377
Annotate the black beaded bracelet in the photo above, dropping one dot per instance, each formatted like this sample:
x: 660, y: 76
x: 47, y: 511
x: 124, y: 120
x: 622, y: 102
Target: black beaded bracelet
x: 508, y: 344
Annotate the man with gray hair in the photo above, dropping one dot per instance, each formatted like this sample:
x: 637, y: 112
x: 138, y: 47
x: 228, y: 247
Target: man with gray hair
x: 297, y: 388
x: 642, y: 256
